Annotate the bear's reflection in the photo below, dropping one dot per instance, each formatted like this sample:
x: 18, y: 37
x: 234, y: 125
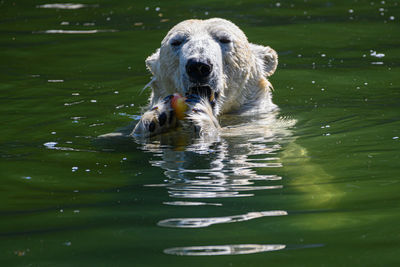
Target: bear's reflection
x: 233, y: 164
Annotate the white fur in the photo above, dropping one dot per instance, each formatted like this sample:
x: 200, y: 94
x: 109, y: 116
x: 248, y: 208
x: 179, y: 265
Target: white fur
x: 239, y: 73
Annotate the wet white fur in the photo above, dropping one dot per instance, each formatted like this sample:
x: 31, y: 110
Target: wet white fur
x: 239, y: 73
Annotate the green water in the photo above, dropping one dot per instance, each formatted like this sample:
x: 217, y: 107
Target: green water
x: 322, y: 192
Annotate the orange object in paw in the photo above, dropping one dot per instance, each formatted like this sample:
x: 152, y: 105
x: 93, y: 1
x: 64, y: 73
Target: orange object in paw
x: 179, y: 106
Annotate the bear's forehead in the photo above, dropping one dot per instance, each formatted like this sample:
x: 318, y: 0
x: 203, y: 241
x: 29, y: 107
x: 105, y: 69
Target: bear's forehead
x: 213, y: 26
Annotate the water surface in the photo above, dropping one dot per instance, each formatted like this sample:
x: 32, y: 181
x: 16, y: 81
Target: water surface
x: 314, y: 184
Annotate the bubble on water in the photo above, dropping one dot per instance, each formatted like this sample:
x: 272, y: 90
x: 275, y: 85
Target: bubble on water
x: 323, y: 55
x: 55, y: 81
x: 391, y: 17
x: 312, y: 82
x: 381, y: 9
x: 146, y: 8
x: 68, y: 243
x: 158, y: 9
x: 93, y: 100
x: 116, y: 92
x: 64, y: 23
x: 77, y: 211
x: 351, y: 11
x: 395, y: 137
x: 365, y: 83
x: 278, y: 4
x: 206, y: 13
x: 322, y: 89
x: 87, y: 170
x: 53, y: 132
x: 74, y: 169
x: 75, y: 94
x: 27, y: 177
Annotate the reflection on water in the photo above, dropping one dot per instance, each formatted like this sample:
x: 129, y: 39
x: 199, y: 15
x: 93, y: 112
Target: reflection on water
x: 62, y: 6
x: 75, y: 31
x: 190, y: 203
x: 226, y: 167
x: 234, y: 164
x: 222, y: 250
x: 204, y: 222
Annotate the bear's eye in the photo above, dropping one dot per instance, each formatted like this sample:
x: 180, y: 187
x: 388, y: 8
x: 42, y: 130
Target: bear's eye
x: 224, y: 40
x: 176, y: 42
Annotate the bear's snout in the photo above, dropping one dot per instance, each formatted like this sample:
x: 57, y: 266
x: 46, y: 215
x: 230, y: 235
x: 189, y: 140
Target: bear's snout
x: 198, y: 70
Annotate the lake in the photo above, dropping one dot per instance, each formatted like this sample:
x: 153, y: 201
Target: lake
x: 315, y: 184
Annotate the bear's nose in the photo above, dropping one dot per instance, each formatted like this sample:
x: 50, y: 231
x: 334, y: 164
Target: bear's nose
x: 198, y: 70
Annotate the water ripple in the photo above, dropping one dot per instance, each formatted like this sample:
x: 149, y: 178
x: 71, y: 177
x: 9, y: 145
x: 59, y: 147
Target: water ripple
x: 190, y: 203
x: 238, y: 164
x: 62, y: 6
x: 223, y: 249
x: 205, y: 222
x: 75, y: 31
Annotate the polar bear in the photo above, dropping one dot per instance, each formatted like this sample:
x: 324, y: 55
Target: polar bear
x: 212, y: 63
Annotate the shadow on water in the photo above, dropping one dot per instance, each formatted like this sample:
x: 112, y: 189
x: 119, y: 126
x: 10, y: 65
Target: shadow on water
x: 238, y: 163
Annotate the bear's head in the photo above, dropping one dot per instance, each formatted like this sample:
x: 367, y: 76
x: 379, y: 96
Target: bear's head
x: 212, y: 58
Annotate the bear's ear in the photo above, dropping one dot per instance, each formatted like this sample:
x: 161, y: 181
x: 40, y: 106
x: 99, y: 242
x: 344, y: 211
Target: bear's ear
x: 152, y: 62
x: 267, y: 56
